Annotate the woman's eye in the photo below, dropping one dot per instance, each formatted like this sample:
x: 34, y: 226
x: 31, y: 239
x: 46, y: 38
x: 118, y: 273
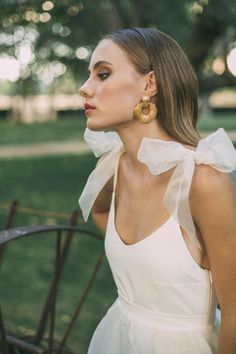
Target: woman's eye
x: 103, y: 75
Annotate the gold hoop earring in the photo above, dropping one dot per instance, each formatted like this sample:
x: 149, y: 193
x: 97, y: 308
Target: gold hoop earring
x: 145, y: 103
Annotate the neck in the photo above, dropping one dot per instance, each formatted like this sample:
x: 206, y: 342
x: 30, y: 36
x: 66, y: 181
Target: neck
x: 132, y: 135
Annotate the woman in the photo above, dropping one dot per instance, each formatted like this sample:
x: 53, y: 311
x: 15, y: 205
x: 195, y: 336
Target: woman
x: 164, y: 198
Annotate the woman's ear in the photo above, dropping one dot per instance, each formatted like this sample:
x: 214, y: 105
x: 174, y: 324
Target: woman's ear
x: 151, y: 85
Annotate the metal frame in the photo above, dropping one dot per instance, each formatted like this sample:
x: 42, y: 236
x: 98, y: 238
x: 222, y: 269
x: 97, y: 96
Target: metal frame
x: 49, y: 310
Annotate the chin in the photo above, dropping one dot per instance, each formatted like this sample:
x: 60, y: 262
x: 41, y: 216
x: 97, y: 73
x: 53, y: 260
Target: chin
x: 100, y: 125
x: 94, y: 126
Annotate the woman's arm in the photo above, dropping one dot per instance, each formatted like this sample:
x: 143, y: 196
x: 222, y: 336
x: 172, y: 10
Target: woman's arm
x: 101, y: 207
x: 213, y: 206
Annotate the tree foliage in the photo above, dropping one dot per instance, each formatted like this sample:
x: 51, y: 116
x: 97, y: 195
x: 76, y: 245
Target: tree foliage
x: 55, y: 29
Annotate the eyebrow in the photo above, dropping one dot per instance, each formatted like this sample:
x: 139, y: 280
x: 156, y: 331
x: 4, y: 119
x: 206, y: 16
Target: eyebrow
x: 100, y: 62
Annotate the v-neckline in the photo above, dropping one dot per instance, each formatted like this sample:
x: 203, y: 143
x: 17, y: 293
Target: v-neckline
x: 121, y: 240
x: 146, y: 238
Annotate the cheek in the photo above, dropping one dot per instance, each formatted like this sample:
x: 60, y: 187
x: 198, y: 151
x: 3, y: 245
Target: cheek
x: 124, y: 95
x: 116, y: 100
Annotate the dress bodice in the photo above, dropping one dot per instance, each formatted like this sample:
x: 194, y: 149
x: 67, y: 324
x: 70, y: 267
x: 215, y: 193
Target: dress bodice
x: 159, y: 272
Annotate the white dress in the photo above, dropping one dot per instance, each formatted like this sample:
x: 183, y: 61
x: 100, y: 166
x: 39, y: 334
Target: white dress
x: 166, y: 302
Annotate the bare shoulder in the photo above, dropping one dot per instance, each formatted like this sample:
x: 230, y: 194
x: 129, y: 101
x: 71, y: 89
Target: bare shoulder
x: 212, y: 197
x: 208, y: 182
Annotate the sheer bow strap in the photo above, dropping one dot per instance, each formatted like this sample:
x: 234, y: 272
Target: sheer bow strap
x: 100, y: 143
x: 160, y: 156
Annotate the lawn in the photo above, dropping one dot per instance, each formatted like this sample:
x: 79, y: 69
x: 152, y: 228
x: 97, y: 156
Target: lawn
x: 72, y: 129
x: 211, y: 123
x: 50, y: 183
x: 64, y: 129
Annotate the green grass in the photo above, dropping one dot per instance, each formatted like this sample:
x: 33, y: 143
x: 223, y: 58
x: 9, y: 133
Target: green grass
x: 211, y: 123
x: 65, y: 129
x: 68, y: 129
x: 52, y: 183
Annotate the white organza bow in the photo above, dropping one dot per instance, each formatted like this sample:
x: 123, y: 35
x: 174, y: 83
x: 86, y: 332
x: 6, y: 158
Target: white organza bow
x: 160, y: 156
x: 100, y: 143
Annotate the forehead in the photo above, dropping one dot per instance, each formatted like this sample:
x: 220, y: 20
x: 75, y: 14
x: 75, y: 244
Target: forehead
x: 109, y: 51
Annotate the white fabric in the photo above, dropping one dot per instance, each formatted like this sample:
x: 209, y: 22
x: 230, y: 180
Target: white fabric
x: 100, y: 143
x: 166, y: 303
x: 216, y: 150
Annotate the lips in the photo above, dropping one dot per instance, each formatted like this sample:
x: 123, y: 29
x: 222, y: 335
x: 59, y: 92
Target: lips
x: 88, y: 107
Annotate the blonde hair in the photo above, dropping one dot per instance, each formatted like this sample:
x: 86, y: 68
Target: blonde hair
x: 177, y: 98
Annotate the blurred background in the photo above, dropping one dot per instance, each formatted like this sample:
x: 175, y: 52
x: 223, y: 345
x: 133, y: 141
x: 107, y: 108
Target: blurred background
x: 45, y: 47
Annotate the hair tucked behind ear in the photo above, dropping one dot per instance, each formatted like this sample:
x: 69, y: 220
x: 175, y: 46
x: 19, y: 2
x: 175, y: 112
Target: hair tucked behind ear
x: 177, y: 97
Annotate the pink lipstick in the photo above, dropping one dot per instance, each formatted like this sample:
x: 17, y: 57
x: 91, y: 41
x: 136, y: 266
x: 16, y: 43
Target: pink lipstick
x: 88, y: 108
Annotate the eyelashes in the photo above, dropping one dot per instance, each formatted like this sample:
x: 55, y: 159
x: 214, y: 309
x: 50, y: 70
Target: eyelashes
x: 103, y: 75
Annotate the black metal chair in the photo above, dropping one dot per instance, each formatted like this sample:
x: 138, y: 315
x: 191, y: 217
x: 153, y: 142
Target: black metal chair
x: 43, y: 340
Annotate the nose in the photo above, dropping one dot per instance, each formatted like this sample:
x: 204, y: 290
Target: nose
x: 85, y: 90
